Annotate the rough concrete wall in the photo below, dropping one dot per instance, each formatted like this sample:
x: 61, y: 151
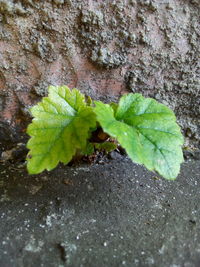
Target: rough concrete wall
x: 104, y: 48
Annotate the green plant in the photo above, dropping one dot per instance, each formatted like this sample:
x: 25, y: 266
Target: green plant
x: 65, y: 121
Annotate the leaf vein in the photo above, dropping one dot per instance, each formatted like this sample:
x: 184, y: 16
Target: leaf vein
x: 159, y: 149
x: 157, y: 131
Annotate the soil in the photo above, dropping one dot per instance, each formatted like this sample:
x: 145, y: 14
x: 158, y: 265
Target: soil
x: 113, y: 213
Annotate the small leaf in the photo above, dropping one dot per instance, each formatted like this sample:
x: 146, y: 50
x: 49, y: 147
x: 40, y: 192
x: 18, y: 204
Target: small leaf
x: 114, y: 106
x: 107, y: 146
x: 61, y: 125
x: 88, y: 100
x: 89, y: 149
x: 147, y: 130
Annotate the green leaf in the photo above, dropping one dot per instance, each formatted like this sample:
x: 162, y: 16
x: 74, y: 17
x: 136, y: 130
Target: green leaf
x: 107, y: 146
x: 114, y: 106
x: 147, y: 130
x: 61, y: 125
x: 88, y: 100
x: 89, y: 149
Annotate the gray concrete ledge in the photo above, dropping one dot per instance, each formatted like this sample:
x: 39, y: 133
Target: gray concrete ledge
x: 115, y: 214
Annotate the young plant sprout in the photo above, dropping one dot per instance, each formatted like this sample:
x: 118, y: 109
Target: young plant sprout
x: 64, y: 122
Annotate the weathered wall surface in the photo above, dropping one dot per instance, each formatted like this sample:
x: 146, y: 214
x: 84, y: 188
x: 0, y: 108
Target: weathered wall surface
x: 104, y: 48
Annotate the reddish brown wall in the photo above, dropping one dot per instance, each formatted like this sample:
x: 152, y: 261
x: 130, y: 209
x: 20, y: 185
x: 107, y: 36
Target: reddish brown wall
x: 104, y: 48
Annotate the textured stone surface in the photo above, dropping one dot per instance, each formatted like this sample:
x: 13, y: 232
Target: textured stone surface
x: 104, y: 48
x: 116, y: 214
